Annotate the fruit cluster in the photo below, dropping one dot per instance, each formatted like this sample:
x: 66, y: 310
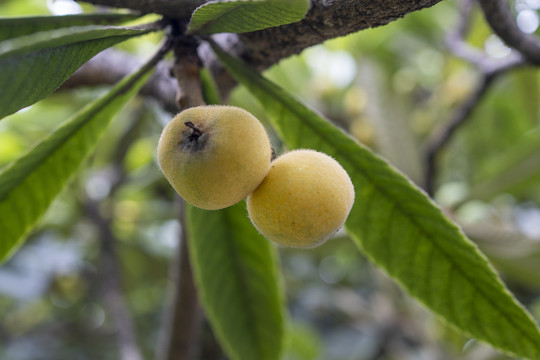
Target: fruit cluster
x: 216, y: 156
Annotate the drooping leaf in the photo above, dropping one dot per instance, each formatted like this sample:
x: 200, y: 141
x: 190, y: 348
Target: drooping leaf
x: 29, y: 184
x: 397, y: 226
x: 33, y: 66
x: 236, y: 273
x: 18, y: 26
x: 238, y: 16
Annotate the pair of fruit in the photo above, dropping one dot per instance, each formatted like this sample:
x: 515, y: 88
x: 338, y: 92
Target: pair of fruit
x: 216, y: 156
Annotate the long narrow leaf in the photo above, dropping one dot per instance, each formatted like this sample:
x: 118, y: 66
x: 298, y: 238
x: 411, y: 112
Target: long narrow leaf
x: 401, y: 230
x: 237, y: 276
x: 18, y: 26
x: 238, y: 16
x: 29, y: 185
x: 33, y: 66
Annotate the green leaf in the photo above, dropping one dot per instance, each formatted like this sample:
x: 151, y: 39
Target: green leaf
x: 236, y: 273
x: 209, y: 87
x: 239, y: 16
x: 399, y: 228
x: 302, y: 343
x: 29, y: 184
x: 33, y: 66
x: 13, y: 27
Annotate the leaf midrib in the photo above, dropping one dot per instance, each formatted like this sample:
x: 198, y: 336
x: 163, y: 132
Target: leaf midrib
x: 68, y: 40
x: 440, y: 249
x: 233, y: 251
x: 205, y: 26
x: 383, y: 193
x: 436, y: 245
x: 91, y: 112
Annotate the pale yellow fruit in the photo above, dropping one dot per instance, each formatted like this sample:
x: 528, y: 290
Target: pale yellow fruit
x: 305, y: 198
x: 214, y: 156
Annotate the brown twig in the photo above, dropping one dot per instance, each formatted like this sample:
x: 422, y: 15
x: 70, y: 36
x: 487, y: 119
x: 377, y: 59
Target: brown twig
x: 501, y: 20
x: 441, y: 136
x: 264, y: 48
x: 186, y: 70
x: 490, y: 69
x: 182, y: 320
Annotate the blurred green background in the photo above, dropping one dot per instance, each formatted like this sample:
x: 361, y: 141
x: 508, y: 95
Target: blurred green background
x: 390, y: 87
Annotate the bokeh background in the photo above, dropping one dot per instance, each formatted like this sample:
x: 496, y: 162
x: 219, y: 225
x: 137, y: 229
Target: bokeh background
x: 390, y: 87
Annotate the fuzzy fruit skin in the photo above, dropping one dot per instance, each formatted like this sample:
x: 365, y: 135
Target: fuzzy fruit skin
x: 223, y: 165
x: 305, y: 198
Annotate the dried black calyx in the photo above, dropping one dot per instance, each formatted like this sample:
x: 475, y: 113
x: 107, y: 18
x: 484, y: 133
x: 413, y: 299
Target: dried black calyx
x: 196, y: 133
x: 194, y: 139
